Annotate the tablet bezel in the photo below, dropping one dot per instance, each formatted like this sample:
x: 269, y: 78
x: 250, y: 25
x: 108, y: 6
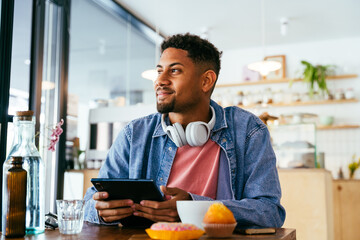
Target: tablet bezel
x: 134, y: 189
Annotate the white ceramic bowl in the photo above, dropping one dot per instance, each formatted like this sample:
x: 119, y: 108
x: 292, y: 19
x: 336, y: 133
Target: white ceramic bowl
x: 193, y: 211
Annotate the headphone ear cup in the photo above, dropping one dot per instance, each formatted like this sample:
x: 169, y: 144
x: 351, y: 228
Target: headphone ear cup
x: 180, y: 134
x: 175, y: 132
x: 197, y: 133
x: 173, y: 135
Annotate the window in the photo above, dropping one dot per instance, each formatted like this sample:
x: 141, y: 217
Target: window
x: 108, y: 53
x: 20, y: 63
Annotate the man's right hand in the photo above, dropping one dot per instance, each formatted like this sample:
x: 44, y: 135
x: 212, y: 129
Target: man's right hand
x: 112, y: 210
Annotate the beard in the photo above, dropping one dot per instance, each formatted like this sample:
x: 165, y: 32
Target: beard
x: 165, y: 107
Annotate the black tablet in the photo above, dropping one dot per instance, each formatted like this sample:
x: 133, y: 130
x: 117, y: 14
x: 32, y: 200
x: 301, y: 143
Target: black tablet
x: 134, y: 189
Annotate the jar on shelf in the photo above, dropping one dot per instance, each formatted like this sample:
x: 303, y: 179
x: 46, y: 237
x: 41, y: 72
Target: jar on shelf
x: 278, y: 96
x: 267, y: 96
x: 248, y: 99
x: 349, y: 93
x: 339, y: 94
x: 296, y: 97
x: 304, y: 97
x: 238, y: 99
x: 257, y: 97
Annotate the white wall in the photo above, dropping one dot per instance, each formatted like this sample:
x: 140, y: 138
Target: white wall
x: 338, y: 145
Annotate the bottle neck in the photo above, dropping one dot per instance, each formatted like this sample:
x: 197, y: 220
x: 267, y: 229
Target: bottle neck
x: 25, y: 131
x: 16, y: 164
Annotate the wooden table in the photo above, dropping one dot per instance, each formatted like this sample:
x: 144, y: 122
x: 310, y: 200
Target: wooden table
x: 92, y: 231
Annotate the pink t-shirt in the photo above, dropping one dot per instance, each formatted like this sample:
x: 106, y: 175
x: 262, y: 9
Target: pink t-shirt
x: 195, y: 169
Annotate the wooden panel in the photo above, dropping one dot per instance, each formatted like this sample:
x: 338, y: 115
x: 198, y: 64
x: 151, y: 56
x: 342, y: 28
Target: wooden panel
x: 346, y: 209
x: 88, y: 175
x: 307, y: 199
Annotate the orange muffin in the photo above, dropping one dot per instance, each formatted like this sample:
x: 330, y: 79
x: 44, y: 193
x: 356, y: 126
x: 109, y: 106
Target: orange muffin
x: 219, y: 221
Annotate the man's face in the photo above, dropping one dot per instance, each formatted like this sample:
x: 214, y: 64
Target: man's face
x: 178, y: 86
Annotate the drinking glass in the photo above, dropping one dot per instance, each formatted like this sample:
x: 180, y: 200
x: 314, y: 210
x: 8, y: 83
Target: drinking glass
x: 70, y: 216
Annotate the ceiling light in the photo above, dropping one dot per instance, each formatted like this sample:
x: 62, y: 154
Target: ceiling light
x: 264, y: 67
x: 284, y: 21
x: 150, y: 74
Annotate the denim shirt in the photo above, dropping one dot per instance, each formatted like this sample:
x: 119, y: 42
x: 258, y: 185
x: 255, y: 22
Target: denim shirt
x: 248, y: 182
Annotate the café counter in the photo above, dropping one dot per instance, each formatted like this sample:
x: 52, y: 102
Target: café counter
x: 92, y: 231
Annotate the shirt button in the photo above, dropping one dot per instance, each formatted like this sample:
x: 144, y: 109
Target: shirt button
x: 161, y: 179
x: 224, y: 140
x: 170, y: 148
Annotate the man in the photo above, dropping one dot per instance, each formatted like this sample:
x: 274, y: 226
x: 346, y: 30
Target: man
x: 193, y: 148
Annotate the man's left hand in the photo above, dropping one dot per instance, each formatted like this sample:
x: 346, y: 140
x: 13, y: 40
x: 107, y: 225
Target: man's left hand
x: 162, y: 211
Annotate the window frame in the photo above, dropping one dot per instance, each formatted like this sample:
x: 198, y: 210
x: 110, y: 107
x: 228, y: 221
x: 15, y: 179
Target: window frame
x: 6, y: 35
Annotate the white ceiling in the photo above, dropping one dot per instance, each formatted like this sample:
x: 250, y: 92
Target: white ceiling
x: 237, y: 23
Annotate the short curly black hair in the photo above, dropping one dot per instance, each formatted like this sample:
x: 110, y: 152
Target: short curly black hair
x: 200, y: 51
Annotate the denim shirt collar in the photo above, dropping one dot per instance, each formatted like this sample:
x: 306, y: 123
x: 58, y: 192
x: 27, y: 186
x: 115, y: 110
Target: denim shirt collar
x: 219, y: 124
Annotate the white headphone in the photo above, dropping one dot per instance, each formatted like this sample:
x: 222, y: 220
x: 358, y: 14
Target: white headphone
x: 196, y: 134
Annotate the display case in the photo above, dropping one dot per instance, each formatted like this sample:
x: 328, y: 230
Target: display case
x: 294, y: 145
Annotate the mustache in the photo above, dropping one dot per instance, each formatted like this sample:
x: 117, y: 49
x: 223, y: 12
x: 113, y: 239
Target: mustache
x: 165, y: 89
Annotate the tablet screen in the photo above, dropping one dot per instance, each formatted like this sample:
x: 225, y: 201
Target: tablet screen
x: 134, y: 189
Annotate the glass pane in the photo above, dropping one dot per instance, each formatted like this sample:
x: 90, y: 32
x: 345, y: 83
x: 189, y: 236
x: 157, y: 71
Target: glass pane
x: 107, y: 57
x: 50, y: 95
x: 20, y: 62
x: 10, y: 138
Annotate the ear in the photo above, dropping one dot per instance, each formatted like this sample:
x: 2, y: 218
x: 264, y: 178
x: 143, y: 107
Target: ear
x: 208, y: 81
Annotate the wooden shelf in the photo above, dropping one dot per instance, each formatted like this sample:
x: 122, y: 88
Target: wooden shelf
x: 282, y: 80
x: 301, y: 103
x: 333, y: 127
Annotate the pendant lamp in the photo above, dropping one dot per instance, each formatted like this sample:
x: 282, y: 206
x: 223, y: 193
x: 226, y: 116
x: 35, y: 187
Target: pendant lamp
x: 264, y: 67
x: 150, y: 74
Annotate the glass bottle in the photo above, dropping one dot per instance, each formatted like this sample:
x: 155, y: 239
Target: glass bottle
x: 24, y: 146
x: 14, y: 198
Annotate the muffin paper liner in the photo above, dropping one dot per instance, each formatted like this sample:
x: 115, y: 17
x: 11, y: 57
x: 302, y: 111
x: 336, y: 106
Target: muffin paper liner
x: 219, y: 230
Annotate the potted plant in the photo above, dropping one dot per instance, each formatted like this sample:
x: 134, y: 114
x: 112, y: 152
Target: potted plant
x: 316, y: 75
x: 353, y: 166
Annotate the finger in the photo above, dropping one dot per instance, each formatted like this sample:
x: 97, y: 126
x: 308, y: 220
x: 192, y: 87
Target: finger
x: 100, y: 196
x: 100, y: 205
x: 152, y: 211
x: 121, y: 212
x: 115, y: 218
x: 157, y: 218
x: 157, y: 205
x: 169, y: 190
x: 176, y: 193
